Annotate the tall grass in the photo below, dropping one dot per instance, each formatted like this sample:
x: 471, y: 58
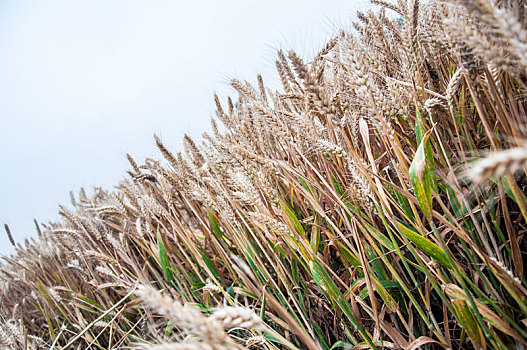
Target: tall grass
x: 348, y: 210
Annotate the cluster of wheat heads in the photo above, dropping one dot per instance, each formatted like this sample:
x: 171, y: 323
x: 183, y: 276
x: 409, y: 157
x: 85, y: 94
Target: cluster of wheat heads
x: 339, y: 212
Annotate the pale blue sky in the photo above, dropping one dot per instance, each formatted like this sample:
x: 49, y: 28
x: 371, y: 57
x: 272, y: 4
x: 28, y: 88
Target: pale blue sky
x: 84, y: 82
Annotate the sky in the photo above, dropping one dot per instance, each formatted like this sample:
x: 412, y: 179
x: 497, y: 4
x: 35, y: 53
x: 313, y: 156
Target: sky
x: 82, y: 83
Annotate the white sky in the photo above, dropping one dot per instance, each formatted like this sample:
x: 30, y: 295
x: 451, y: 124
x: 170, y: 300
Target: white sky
x: 84, y: 82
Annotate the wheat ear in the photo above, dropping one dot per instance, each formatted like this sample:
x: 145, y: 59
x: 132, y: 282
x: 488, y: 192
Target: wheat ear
x: 229, y: 317
x: 8, y: 231
x: 184, y: 315
x: 497, y: 164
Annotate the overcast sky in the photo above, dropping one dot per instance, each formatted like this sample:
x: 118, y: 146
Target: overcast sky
x: 84, y: 82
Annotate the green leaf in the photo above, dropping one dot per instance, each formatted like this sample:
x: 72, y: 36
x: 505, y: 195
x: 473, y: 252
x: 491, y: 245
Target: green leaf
x: 420, y: 133
x: 346, y: 253
x: 46, y: 315
x: 376, y: 264
x: 420, y: 130
x: 338, y: 188
x: 508, y: 190
x: 404, y: 204
x: 467, y: 320
x: 421, y: 178
x: 292, y: 219
x: 314, y: 240
x: 210, y: 265
x: 294, y: 271
x: 386, y: 297
x: 169, y: 327
x: 90, y: 301
x: 326, y: 283
x: 458, y: 207
x: 230, y: 290
x: 321, y: 336
x: 390, y: 284
x: 163, y: 259
x: 270, y: 337
x: 305, y: 185
x: 381, y: 238
x: 214, y: 225
x: 341, y: 344
x: 428, y: 247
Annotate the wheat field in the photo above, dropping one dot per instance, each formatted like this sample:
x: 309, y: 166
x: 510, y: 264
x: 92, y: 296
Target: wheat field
x: 376, y: 201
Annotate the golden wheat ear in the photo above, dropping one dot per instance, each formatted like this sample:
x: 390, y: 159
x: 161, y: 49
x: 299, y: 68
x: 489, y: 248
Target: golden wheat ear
x: 9, y: 235
x: 183, y: 315
x: 497, y: 164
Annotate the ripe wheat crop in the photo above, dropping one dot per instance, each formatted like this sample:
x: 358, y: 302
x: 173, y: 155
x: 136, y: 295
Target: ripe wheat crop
x: 376, y: 201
